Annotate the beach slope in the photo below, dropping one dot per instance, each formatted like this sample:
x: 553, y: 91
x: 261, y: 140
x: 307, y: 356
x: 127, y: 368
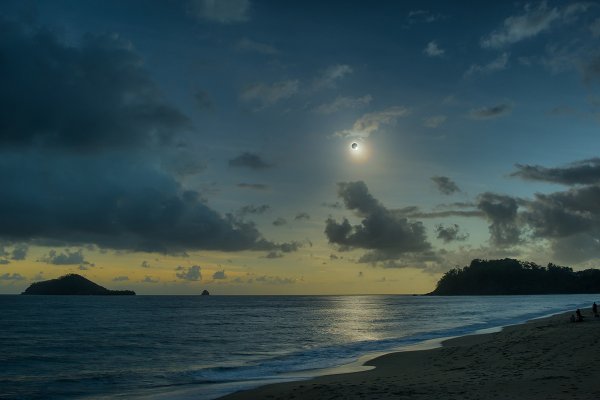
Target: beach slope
x: 549, y: 358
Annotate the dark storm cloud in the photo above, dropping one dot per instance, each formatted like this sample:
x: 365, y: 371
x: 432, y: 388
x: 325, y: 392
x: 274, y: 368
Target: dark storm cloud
x: 445, y: 185
x: 67, y: 258
x: 566, y: 213
x: 91, y: 152
x: 192, y: 273
x: 501, y: 211
x: 113, y: 204
x: 491, y: 112
x: 90, y: 97
x: 121, y: 278
x: 249, y: 160
x: 255, y: 186
x: 386, y: 233
x: 450, y: 233
x: 583, y: 172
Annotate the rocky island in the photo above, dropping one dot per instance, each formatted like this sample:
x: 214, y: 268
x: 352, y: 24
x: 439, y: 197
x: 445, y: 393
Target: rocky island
x: 73, y: 284
x: 514, y: 277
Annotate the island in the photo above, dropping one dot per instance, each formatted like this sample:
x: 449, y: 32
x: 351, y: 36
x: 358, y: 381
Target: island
x: 72, y: 284
x: 514, y: 277
x: 205, y: 293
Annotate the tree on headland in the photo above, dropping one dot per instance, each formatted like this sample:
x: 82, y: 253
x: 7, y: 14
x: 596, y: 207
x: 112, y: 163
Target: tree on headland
x: 510, y: 276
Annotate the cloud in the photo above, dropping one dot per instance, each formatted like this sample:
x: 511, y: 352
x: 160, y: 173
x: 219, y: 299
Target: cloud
x: 91, y: 135
x: 192, y: 273
x: 12, y: 277
x: 149, y: 279
x: 255, y: 186
x: 19, y: 252
x: 145, y: 264
x: 501, y: 211
x: 247, y: 45
x: 121, y: 278
x: 533, y: 21
x: 4, y: 261
x: 280, y: 221
x: 434, y: 121
x: 87, y: 98
x: 433, y: 50
x: 387, y: 234
x: 369, y: 123
x: 267, y: 95
x: 219, y: 275
x: 450, y: 233
x: 583, y: 172
x: 331, y: 75
x: 445, y: 185
x: 112, y: 203
x: 249, y: 160
x: 422, y: 16
x: 491, y: 112
x: 222, y: 11
x: 302, y: 216
x: 252, y: 209
x: 342, y: 103
x: 274, y: 254
x: 67, y: 258
x: 498, y: 64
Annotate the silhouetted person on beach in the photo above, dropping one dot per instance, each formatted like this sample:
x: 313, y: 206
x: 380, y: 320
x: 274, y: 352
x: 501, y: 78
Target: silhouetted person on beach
x: 579, y: 316
x: 572, y: 319
x: 595, y: 309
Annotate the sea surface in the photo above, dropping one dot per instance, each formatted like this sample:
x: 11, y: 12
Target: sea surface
x: 202, y: 347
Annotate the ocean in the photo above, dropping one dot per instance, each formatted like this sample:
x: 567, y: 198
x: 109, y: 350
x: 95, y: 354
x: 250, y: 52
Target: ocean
x: 202, y: 347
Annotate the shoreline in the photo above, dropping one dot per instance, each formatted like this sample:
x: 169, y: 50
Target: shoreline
x: 510, y: 362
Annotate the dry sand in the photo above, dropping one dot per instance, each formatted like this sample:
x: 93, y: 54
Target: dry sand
x: 550, y: 358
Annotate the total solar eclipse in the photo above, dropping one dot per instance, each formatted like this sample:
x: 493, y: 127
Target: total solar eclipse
x: 354, y: 146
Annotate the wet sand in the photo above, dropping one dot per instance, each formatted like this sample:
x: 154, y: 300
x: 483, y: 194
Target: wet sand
x: 544, y: 359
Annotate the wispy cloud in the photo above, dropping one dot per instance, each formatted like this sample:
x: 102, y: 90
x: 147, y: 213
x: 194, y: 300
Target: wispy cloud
x: 268, y: 94
x: 434, y: 121
x: 498, y: 64
x: 491, y: 112
x: 248, y: 45
x: 342, y: 102
x: 369, y: 123
x: 222, y: 11
x: 533, y: 21
x: 331, y: 75
x: 433, y: 49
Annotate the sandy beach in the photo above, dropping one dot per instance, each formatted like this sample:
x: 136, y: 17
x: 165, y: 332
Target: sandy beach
x: 549, y: 358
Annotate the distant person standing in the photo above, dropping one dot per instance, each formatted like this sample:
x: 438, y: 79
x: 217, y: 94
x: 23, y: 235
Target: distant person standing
x: 595, y: 309
x: 579, y: 316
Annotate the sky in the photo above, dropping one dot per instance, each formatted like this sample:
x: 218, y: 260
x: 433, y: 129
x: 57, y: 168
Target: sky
x: 174, y: 146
